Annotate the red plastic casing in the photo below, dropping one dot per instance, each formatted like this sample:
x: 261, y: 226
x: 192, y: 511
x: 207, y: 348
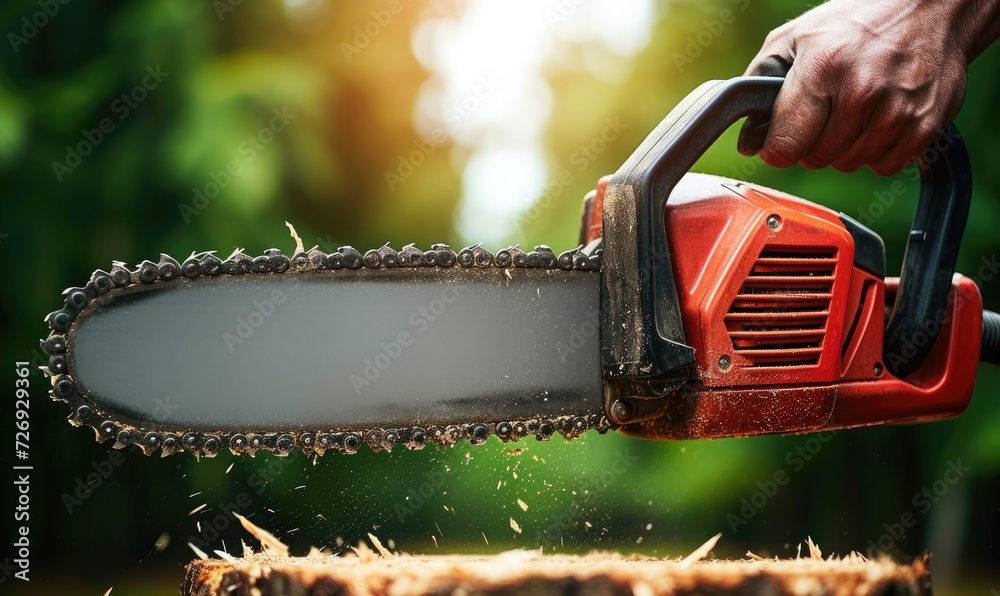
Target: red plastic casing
x: 787, y: 329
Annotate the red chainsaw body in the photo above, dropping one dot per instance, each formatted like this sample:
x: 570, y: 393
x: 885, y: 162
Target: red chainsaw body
x: 787, y: 328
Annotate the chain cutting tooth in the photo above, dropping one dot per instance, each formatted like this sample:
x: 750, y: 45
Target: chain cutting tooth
x: 388, y: 256
x: 233, y: 265
x: 446, y: 257
x: 565, y: 260
x: 277, y: 261
x: 105, y: 430
x: 503, y: 258
x: 352, y: 257
x: 351, y: 443
x: 306, y: 442
x: 372, y: 259
x: 300, y: 261
x: 411, y: 256
x: 518, y: 257
x: 150, y: 442
x: 102, y: 281
x: 57, y: 365
x: 168, y: 267
x: 315, y: 259
x: 120, y: 275
x: 171, y: 443
x: 255, y: 443
x: 191, y: 267
x: 146, y: 271
x: 548, y: 257
x: 210, y: 264
x: 239, y: 444
x: 124, y: 438
x: 210, y: 445
x: 78, y: 298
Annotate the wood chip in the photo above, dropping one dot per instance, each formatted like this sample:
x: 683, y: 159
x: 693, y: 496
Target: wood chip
x: 814, y: 552
x: 378, y: 546
x: 161, y: 542
x: 702, y: 551
x: 298, y: 241
x: 267, y: 539
x: 514, y: 526
x: 198, y: 552
x: 524, y: 506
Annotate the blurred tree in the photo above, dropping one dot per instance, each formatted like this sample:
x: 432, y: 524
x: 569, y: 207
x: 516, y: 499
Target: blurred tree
x: 101, y: 160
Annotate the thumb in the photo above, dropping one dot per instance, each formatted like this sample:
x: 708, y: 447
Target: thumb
x: 754, y: 130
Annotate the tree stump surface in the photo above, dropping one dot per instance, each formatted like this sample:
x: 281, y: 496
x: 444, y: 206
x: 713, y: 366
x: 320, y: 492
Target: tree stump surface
x: 377, y: 573
x: 529, y: 572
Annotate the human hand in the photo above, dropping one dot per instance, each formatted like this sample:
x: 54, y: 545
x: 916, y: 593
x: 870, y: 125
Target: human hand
x: 872, y: 83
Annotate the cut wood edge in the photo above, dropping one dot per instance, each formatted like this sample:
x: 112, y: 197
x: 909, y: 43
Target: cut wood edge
x: 361, y: 570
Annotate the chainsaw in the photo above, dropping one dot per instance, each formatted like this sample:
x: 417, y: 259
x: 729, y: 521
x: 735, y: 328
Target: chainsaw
x: 695, y: 306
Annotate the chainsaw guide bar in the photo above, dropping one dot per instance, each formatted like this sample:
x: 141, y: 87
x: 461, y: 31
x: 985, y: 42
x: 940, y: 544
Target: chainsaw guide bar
x: 149, y: 435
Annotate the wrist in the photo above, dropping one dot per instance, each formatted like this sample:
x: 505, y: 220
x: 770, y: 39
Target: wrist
x: 975, y: 23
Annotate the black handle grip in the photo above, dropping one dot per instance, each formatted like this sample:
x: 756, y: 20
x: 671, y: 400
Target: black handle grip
x: 931, y: 252
x: 990, y: 350
x: 642, y: 336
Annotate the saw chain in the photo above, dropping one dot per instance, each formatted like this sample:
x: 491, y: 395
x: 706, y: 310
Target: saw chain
x: 126, y: 432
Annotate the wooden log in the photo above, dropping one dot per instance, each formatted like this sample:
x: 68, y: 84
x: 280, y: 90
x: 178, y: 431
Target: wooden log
x: 529, y: 572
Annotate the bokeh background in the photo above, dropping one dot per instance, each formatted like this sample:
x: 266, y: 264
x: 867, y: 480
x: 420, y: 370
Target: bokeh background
x: 424, y: 121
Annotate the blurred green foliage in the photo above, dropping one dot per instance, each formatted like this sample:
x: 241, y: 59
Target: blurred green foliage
x: 227, y: 73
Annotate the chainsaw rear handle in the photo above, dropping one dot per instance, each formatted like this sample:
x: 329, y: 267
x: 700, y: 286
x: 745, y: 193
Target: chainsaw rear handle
x: 643, y: 346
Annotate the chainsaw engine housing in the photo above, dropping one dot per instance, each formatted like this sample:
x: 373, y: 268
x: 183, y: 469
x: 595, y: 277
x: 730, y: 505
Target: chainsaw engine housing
x: 784, y: 303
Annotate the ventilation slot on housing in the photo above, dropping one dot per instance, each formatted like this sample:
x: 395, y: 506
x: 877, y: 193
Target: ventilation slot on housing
x: 779, y: 316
